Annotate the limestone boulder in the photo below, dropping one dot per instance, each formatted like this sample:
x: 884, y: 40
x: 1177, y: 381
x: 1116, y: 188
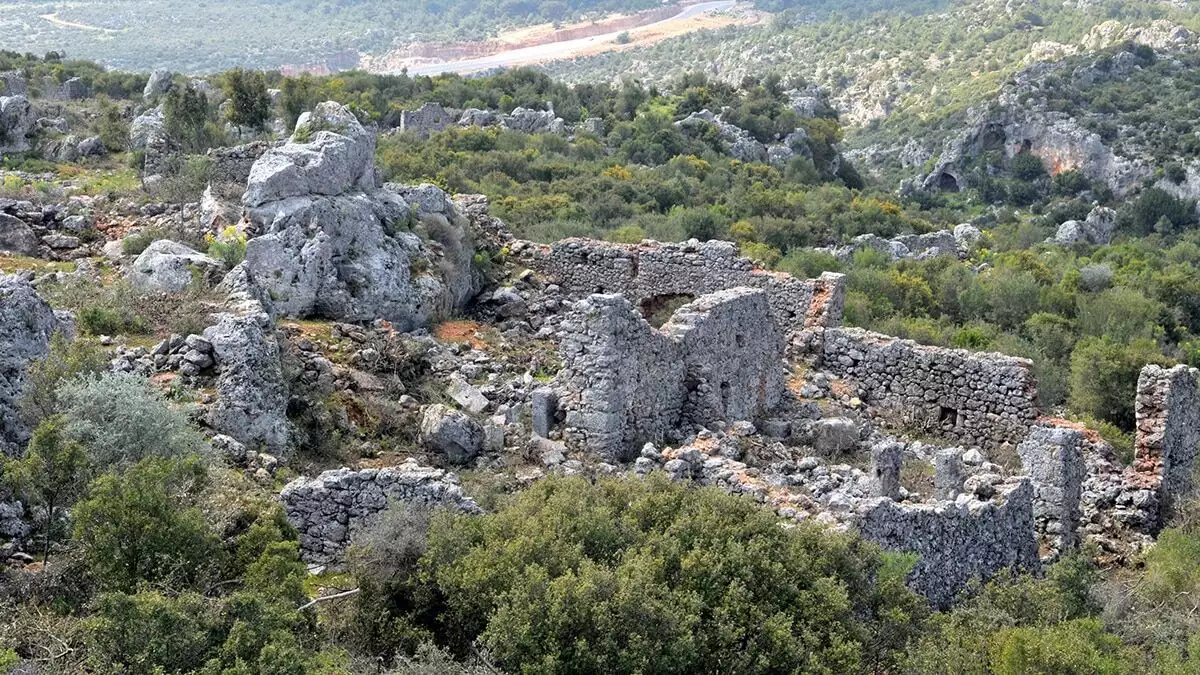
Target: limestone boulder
x: 834, y: 435
x: 158, y: 84
x: 16, y: 123
x: 16, y: 236
x: 26, y: 324
x: 329, y: 153
x: 252, y: 397
x: 172, y: 267
x: 451, y: 433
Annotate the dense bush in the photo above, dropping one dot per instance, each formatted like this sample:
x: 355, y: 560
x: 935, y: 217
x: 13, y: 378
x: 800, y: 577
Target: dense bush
x: 629, y: 575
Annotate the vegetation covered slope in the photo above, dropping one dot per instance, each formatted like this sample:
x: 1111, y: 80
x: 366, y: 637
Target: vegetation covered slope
x: 211, y: 36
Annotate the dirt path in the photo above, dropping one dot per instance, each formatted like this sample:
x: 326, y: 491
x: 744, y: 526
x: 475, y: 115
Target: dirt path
x: 53, y: 18
x: 692, y: 17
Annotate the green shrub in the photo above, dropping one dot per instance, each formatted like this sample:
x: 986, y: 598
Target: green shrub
x: 134, y: 244
x: 1104, y: 376
x: 106, y: 321
x: 121, y: 420
x: 142, y: 526
x: 653, y: 576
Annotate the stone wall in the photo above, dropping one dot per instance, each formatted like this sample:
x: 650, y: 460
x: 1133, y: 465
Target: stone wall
x: 624, y: 383
x: 649, y: 271
x: 967, y: 397
x: 1167, y: 409
x: 1053, y: 459
x: 329, y: 509
x: 958, y: 541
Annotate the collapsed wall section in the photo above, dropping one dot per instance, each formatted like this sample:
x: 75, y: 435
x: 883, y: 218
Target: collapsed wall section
x: 967, y: 397
x: 650, y: 270
x: 329, y: 509
x: 957, y: 542
x: 624, y: 383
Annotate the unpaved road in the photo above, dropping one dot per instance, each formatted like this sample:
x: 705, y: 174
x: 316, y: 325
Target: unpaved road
x: 558, y: 50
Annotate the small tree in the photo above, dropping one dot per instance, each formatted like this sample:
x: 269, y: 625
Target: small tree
x: 186, y: 115
x: 250, y: 104
x: 52, y: 474
x: 141, y: 525
x: 113, y: 129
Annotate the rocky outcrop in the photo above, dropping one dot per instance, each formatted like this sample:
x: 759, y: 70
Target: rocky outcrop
x: 172, y: 267
x: 26, y: 324
x: 534, y: 121
x: 158, y: 84
x: 229, y: 170
x: 328, y: 510
x: 423, y: 121
x: 738, y: 142
x: 451, y: 433
x: 252, y: 397
x: 333, y: 244
x: 1096, y: 230
x: 16, y: 123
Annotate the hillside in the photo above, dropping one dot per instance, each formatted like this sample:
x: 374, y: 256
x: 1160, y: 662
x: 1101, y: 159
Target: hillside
x: 304, y: 34
x: 698, y: 372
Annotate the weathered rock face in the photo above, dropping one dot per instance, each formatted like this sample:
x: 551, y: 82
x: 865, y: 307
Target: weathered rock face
x: 16, y: 236
x: 329, y: 509
x: 334, y: 245
x: 252, y: 397
x: 330, y: 153
x: 169, y: 266
x: 16, y: 123
x: 26, y: 324
x: 158, y: 84
x: 221, y: 204
x: 979, y: 399
x: 958, y: 541
x: 624, y: 384
x: 451, y: 433
x: 651, y: 273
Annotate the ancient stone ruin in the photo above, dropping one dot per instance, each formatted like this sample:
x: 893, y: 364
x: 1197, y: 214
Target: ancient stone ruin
x: 1168, y: 427
x: 627, y: 383
x: 965, y: 397
x: 651, y: 275
x: 329, y: 509
x: 958, y: 541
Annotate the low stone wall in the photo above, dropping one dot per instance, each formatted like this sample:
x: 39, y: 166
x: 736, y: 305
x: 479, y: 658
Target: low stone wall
x: 967, y: 397
x: 958, y: 541
x: 624, y: 384
x: 329, y: 509
x: 1167, y: 409
x: 650, y: 271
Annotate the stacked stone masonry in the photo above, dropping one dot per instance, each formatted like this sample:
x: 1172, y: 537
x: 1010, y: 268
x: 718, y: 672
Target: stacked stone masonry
x: 958, y: 541
x: 1167, y: 410
x: 651, y: 273
x: 328, y: 510
x: 966, y: 397
x: 624, y: 383
x: 1053, y: 459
